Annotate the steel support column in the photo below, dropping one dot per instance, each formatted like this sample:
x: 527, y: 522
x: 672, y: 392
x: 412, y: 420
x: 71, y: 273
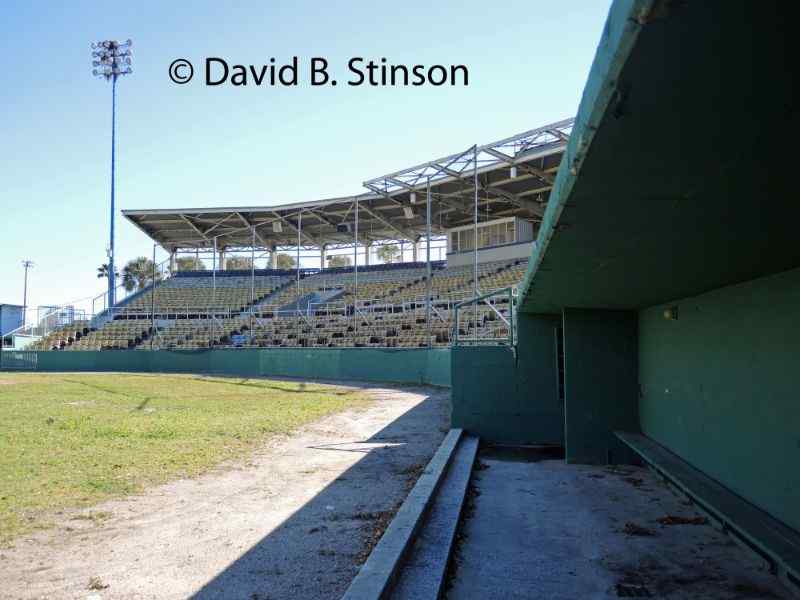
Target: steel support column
x: 475, y: 225
x: 428, y: 262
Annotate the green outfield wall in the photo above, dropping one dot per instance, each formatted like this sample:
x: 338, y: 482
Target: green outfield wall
x: 720, y: 387
x: 416, y: 365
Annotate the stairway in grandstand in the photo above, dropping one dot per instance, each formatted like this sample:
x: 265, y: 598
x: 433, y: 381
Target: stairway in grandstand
x: 309, y: 301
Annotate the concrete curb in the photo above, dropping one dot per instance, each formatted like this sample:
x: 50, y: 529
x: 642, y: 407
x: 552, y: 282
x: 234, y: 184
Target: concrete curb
x: 424, y: 569
x: 376, y: 576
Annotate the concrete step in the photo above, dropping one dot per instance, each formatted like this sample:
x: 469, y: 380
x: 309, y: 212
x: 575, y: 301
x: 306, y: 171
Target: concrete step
x: 424, y: 568
x: 377, y: 577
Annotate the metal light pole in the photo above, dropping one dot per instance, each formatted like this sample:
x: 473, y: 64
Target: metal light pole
x: 27, y: 264
x: 112, y: 59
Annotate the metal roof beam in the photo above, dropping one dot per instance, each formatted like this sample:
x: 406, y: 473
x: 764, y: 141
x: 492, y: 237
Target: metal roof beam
x: 199, y: 231
x: 218, y: 223
x: 311, y: 239
x: 247, y: 222
x: 559, y: 134
x: 383, y: 194
x: 544, y: 176
x: 402, y: 231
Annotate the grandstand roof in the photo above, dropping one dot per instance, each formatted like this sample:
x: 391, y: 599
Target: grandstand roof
x: 392, y: 208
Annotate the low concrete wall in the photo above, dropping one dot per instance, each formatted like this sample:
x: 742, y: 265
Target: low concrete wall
x: 415, y: 365
x: 509, y: 397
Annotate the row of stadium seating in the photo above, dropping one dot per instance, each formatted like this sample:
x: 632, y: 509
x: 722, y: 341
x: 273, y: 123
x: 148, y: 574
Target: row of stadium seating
x: 459, y: 280
x: 400, y: 286
x: 114, y: 335
x: 63, y: 336
x: 371, y: 284
x: 405, y: 329
x: 390, y: 311
x: 179, y: 294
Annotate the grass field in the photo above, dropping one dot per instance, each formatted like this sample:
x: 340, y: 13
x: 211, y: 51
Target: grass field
x: 71, y: 440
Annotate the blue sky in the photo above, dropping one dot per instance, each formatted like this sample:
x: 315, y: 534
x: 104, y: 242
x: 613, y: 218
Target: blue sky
x: 196, y: 146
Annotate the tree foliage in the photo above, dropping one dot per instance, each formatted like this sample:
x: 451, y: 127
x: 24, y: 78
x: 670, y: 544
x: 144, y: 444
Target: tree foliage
x: 190, y: 263
x: 285, y: 261
x: 339, y: 260
x: 238, y: 263
x: 388, y: 253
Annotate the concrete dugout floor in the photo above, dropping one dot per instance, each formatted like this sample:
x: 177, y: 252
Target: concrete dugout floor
x: 539, y: 528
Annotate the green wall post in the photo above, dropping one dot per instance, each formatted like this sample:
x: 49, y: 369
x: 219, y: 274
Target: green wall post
x: 600, y: 384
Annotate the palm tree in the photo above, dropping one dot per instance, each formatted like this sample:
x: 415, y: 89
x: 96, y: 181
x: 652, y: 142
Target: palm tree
x: 102, y: 271
x: 128, y: 281
x: 138, y: 273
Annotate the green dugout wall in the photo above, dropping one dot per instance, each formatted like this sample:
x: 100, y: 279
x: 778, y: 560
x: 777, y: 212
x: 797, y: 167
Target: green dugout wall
x: 720, y: 387
x: 423, y: 365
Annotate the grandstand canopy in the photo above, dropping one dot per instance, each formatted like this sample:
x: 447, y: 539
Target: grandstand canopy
x: 514, y: 175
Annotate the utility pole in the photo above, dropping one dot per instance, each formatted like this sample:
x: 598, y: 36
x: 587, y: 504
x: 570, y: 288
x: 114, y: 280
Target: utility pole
x: 112, y: 59
x: 27, y: 264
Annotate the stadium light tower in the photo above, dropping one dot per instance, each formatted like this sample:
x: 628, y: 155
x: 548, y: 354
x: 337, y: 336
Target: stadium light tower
x: 111, y: 60
x: 26, y: 264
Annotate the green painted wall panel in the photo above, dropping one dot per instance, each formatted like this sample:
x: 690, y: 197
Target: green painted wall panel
x: 438, y: 368
x: 508, y: 397
x: 600, y: 384
x: 179, y: 361
x: 133, y: 361
x: 721, y: 387
x: 360, y: 364
x: 422, y: 365
x: 245, y: 363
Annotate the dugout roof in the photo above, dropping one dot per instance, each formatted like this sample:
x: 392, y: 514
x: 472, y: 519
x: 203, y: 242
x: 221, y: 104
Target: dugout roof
x: 677, y: 180
x: 393, y: 207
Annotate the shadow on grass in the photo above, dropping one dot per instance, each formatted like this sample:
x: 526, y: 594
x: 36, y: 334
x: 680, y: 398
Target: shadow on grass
x: 263, y: 385
x: 107, y: 390
x: 318, y: 550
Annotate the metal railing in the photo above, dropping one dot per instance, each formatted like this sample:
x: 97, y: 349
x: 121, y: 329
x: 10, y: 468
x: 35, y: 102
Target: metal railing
x: 505, y: 332
x: 18, y: 360
x: 53, y: 319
